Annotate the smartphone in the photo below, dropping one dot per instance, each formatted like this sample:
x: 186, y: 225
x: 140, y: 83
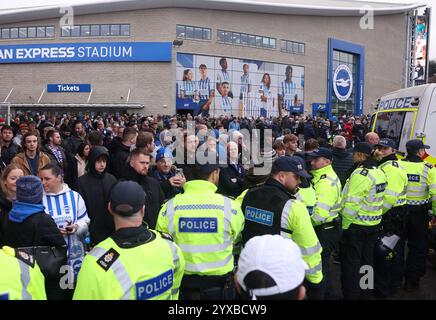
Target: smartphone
x: 179, y: 172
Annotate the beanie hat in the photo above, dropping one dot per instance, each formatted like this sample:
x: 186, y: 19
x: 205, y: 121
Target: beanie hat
x: 29, y: 190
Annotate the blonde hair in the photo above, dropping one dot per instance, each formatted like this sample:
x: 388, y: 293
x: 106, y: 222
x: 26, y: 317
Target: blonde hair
x: 7, y: 170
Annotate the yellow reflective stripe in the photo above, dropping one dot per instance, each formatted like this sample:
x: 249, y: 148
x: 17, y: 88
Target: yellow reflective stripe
x: 310, y: 250
x: 203, y: 248
x: 119, y: 270
x: 387, y: 205
x: 392, y: 193
x: 319, y: 218
x: 432, y: 186
x: 323, y: 206
x: 200, y: 267
x: 25, y: 279
x: 284, y: 223
x: 350, y: 212
x: 353, y: 199
x: 371, y: 208
x: 227, y: 217
x: 433, y: 198
x: 170, y: 215
x: 417, y: 188
x: 314, y: 269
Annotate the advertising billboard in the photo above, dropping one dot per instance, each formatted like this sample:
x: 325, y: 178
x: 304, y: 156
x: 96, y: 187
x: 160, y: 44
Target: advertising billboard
x: 240, y: 87
x: 421, y: 50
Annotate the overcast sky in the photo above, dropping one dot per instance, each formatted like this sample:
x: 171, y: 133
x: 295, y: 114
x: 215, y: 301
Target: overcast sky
x: 25, y: 3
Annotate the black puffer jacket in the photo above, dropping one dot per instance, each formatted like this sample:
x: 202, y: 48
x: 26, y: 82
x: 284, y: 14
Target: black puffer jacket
x: 342, y: 164
x: 94, y: 188
x: 154, y: 194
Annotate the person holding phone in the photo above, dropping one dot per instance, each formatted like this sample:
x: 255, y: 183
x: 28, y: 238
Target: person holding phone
x: 171, y: 179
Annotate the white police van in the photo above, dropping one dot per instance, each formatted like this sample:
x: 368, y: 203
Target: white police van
x: 406, y: 114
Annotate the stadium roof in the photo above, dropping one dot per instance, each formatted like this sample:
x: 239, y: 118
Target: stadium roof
x: 26, y: 10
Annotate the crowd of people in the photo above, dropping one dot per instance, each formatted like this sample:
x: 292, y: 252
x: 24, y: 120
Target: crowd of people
x: 130, y: 194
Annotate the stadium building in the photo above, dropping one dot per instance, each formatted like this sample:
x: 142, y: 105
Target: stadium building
x: 242, y: 57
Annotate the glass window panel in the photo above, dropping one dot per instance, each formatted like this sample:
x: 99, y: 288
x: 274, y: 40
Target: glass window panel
x: 301, y: 48
x: 228, y: 37
x: 244, y: 38
x: 206, y: 34
x: 335, y: 55
x: 252, y: 40
x: 259, y: 41
x: 5, y: 33
x: 265, y: 42
x: 272, y: 43
x: 76, y: 31
x: 85, y: 31
x: 95, y: 30
x: 283, y: 45
x: 180, y: 31
x: 22, y: 32
x: 125, y: 29
x: 65, y: 31
x: 49, y: 32
x: 236, y: 38
x: 104, y: 30
x: 115, y: 29
x: 220, y: 35
x: 189, y: 32
x: 294, y: 47
x: 40, y: 32
x: 198, y: 33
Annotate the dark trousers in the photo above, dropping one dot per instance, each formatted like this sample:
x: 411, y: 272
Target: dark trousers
x: 207, y: 288
x: 328, y: 237
x: 314, y: 291
x: 388, y: 272
x: 416, y: 233
x: 356, y: 250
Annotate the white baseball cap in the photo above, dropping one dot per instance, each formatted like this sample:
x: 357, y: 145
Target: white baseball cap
x: 278, y: 257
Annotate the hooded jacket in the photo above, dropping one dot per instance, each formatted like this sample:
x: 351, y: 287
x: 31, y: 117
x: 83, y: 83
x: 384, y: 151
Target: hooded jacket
x: 28, y: 225
x: 95, y: 188
x: 119, y: 159
x: 153, y: 192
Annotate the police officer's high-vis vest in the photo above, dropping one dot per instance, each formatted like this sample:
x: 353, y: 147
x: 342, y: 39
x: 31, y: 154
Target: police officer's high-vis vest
x: 150, y: 271
x: 362, y: 197
x: 421, y: 186
x: 20, y: 276
x: 308, y: 197
x: 270, y: 209
x: 327, y: 188
x: 396, y: 179
x: 205, y: 225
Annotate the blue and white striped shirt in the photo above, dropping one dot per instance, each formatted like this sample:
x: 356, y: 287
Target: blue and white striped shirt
x: 226, y: 103
x: 288, y: 91
x: 189, y: 88
x: 245, y: 82
x: 66, y: 207
x: 204, y: 87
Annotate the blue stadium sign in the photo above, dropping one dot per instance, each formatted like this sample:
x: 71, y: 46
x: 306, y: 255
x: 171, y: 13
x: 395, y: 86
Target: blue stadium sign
x: 87, y: 52
x: 68, y: 88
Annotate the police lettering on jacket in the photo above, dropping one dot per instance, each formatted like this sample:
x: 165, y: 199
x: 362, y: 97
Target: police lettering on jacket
x: 198, y: 225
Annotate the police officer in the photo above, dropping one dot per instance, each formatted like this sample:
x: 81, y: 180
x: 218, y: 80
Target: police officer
x: 20, y: 276
x: 273, y: 209
x: 393, y: 207
x: 325, y: 214
x: 135, y: 263
x: 206, y: 226
x: 362, y: 200
x: 421, y: 197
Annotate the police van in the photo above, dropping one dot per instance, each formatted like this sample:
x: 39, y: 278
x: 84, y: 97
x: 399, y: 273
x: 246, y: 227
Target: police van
x: 406, y: 114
